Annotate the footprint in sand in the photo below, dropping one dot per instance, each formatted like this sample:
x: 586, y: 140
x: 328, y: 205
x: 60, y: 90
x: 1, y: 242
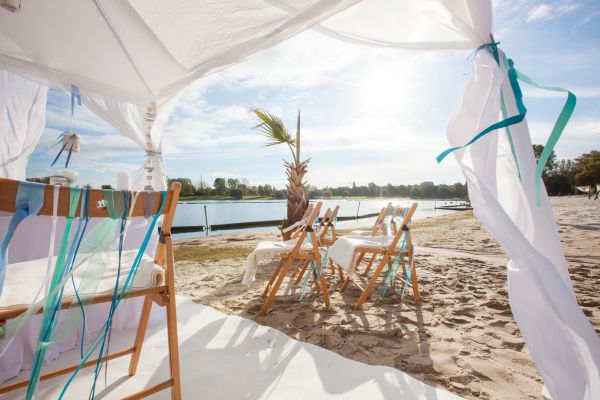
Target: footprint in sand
x: 497, y: 305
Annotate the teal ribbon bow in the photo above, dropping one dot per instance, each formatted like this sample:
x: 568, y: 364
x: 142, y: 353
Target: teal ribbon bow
x: 514, y: 76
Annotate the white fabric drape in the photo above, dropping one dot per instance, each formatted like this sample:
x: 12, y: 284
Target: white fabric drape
x: 145, y: 126
x: 559, y: 336
x: 22, y: 120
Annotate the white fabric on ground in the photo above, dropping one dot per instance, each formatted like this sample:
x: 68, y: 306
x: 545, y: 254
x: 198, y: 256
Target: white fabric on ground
x: 22, y: 120
x: 342, y: 251
x: 228, y: 357
x: 25, y: 278
x: 266, y: 251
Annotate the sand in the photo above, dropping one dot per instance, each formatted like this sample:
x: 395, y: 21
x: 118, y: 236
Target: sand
x: 461, y: 336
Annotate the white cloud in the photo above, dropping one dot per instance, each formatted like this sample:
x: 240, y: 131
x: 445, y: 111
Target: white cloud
x: 545, y: 11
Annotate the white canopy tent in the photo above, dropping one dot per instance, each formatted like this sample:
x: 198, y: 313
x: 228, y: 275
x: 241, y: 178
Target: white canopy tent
x: 130, y: 59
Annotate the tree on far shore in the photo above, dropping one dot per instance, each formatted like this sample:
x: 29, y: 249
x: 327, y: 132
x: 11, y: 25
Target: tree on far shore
x: 588, y: 168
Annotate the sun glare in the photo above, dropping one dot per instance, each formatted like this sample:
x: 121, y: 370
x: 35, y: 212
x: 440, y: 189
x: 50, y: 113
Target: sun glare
x: 386, y: 91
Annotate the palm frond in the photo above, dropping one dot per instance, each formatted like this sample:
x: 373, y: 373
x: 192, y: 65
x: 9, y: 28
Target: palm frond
x: 272, y: 128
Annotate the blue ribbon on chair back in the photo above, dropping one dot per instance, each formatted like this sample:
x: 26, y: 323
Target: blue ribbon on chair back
x: 28, y: 201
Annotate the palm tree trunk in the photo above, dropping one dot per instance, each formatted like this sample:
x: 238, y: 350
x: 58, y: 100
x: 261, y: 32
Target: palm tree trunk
x: 297, y: 199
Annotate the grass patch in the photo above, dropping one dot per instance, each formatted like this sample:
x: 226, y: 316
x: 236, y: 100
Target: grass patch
x: 206, y: 253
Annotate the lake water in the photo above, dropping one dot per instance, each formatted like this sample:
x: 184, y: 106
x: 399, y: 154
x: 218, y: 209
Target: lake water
x: 223, y: 212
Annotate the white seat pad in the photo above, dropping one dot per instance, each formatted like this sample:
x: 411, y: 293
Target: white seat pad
x: 343, y: 250
x: 267, y: 251
x: 24, y: 279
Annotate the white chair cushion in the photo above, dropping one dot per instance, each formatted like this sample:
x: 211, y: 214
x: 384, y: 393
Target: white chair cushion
x: 24, y: 279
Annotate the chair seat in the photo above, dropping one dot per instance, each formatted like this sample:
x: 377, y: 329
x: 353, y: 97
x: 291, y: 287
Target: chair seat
x: 24, y: 279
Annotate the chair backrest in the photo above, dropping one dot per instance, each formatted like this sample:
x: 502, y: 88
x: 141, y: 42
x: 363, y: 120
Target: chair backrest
x: 307, y: 229
x: 146, y: 203
x: 292, y: 228
x: 327, y: 224
x: 407, y: 214
x: 379, y: 225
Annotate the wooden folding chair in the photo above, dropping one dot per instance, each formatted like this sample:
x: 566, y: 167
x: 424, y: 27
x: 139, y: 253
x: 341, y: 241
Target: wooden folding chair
x: 303, y: 255
x: 162, y: 294
x: 388, y: 252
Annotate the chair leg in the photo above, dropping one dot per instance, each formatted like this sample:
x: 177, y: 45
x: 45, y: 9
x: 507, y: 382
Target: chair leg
x: 173, y: 347
x: 272, y: 279
x: 316, y: 281
x: 345, y: 284
x: 369, y: 265
x: 172, y: 324
x: 273, y: 290
x: 413, y: 278
x: 359, y: 260
x: 139, y: 336
x: 369, y: 288
x: 302, y: 272
x: 321, y: 278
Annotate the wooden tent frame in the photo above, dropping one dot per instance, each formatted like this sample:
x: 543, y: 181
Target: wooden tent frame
x: 300, y: 255
x: 388, y: 253
x: 163, y: 295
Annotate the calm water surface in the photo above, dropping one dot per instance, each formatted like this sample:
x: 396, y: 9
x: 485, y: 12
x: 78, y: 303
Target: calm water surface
x: 224, y: 211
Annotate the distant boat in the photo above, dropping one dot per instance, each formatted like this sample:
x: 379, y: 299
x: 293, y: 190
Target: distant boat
x: 454, y: 205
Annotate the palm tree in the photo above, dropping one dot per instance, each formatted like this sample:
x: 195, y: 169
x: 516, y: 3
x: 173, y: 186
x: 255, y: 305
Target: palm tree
x: 275, y: 131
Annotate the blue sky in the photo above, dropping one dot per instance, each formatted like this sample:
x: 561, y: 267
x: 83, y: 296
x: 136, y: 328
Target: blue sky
x: 367, y: 114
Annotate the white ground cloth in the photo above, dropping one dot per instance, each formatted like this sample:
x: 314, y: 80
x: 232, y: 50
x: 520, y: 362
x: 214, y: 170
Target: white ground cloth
x: 264, y: 251
x: 227, y: 357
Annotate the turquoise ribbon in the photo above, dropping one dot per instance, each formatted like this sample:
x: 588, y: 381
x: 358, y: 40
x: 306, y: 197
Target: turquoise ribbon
x: 53, y: 303
x: 557, y: 130
x: 514, y: 76
x: 126, y: 287
x: 28, y: 201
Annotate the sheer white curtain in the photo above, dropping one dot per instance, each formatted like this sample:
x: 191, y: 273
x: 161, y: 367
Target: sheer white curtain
x: 562, y: 342
x: 22, y: 120
x: 144, y: 124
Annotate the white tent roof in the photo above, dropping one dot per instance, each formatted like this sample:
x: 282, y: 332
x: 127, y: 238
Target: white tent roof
x: 146, y: 50
x: 142, y: 50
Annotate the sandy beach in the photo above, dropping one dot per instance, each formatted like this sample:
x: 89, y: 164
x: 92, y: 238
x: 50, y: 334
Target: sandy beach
x: 461, y: 336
